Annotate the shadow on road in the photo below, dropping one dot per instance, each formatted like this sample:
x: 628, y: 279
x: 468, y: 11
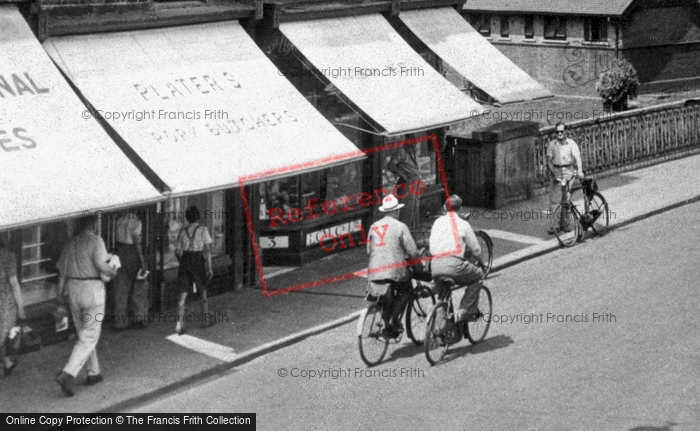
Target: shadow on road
x: 668, y: 427
x: 488, y: 345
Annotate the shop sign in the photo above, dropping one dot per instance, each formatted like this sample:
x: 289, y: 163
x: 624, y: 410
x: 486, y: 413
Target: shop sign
x: 349, y: 227
x: 274, y: 242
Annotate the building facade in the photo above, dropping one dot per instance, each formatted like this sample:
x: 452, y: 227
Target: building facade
x: 566, y: 45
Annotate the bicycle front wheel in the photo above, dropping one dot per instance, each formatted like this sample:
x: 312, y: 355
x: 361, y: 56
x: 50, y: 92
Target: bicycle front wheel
x: 486, y: 245
x: 436, y: 333
x: 371, y: 342
x: 478, y: 326
x: 599, y: 213
x: 417, y: 314
x: 567, y: 225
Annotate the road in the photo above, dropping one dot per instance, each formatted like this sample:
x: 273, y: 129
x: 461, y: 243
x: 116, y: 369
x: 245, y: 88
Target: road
x: 627, y: 358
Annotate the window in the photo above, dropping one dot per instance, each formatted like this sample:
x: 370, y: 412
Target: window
x: 505, y: 26
x: 555, y: 28
x: 529, y: 27
x: 482, y: 24
x: 595, y: 29
x: 41, y: 249
x: 341, y: 184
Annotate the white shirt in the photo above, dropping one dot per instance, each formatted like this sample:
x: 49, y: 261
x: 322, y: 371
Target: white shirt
x: 564, y: 154
x: 199, y: 238
x: 442, y: 236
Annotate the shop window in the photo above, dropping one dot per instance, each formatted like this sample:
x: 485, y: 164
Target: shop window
x: 482, y: 24
x: 41, y: 249
x: 341, y: 184
x: 425, y: 158
x: 505, y: 26
x: 529, y: 27
x: 213, y: 215
x: 555, y: 27
x: 595, y: 29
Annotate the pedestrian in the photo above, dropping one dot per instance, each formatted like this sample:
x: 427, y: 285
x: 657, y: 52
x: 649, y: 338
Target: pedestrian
x: 389, y: 245
x: 11, y: 305
x: 193, y: 250
x: 404, y: 165
x: 130, y: 295
x: 82, y: 266
x: 563, y: 163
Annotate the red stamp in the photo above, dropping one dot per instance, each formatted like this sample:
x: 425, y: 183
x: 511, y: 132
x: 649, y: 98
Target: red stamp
x: 313, y: 207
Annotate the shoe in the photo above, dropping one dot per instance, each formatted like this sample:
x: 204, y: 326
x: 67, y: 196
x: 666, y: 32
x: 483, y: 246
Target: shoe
x: 66, y: 382
x: 180, y: 331
x: 8, y: 370
x: 93, y: 380
x: 551, y: 231
x: 475, y: 317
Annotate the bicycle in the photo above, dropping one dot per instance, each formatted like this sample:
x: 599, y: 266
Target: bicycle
x: 372, y: 338
x: 595, y: 216
x: 442, y: 330
x: 485, y: 243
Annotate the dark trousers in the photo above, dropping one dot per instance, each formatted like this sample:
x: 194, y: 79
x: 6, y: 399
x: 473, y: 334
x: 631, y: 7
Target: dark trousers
x: 395, y: 301
x: 129, y: 296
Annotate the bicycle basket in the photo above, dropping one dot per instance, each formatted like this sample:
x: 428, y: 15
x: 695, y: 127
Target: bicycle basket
x: 589, y: 186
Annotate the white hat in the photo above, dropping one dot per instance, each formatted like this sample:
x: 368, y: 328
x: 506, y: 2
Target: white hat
x: 390, y: 203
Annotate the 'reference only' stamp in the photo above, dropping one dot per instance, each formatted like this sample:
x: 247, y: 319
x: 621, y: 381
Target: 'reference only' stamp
x: 313, y: 208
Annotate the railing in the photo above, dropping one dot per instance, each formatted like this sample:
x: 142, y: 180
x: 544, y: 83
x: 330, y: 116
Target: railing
x: 627, y: 138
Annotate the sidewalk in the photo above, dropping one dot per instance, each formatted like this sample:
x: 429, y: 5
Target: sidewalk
x: 139, y: 365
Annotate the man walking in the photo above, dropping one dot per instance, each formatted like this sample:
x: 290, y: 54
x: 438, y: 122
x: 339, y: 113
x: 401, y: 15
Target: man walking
x: 563, y: 163
x: 82, y: 265
x: 390, y: 245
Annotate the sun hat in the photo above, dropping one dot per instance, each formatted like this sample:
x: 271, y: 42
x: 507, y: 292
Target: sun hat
x: 389, y: 204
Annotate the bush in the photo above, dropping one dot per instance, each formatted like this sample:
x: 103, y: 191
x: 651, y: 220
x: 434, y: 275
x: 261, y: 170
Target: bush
x: 618, y: 84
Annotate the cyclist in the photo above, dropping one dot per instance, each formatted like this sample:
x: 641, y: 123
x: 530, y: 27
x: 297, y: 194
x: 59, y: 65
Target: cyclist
x: 456, y: 264
x: 389, y: 244
x: 563, y: 163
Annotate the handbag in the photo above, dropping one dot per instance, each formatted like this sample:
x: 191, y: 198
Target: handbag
x: 22, y: 339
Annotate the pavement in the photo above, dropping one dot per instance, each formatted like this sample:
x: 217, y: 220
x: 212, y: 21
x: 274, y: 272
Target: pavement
x: 141, y: 365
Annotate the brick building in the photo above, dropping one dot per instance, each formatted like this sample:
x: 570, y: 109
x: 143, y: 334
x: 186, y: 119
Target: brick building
x: 566, y: 44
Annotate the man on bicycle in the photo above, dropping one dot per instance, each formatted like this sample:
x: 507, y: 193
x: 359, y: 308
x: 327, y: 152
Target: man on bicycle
x: 389, y: 245
x: 456, y: 264
x: 563, y: 163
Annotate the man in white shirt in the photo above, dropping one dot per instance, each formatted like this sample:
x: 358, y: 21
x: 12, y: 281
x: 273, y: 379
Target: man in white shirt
x: 455, y: 263
x: 563, y: 163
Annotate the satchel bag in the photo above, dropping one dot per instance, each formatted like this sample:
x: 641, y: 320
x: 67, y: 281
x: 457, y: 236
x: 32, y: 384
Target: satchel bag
x: 22, y: 339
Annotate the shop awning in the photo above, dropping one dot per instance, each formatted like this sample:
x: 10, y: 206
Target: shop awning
x: 201, y: 105
x: 373, y: 67
x: 458, y: 44
x: 54, y: 162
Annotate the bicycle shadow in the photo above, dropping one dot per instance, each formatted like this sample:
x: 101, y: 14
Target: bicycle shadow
x: 406, y: 349
x: 488, y: 345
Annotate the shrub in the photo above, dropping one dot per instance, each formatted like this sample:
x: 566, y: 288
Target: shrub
x: 618, y: 83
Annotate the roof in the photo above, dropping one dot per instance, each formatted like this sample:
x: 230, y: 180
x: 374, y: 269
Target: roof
x: 568, y: 7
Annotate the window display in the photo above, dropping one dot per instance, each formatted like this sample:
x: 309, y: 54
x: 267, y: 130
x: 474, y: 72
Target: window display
x: 340, y: 184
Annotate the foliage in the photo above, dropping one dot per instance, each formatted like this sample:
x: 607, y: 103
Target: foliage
x: 618, y: 83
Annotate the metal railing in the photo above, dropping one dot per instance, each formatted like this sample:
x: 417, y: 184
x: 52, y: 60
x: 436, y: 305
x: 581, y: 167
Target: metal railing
x: 627, y: 138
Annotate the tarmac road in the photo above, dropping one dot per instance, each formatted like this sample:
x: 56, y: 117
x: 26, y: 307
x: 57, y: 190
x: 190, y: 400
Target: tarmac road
x: 611, y: 343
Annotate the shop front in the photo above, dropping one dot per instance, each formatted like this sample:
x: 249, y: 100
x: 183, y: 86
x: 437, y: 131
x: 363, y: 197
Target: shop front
x: 56, y: 164
x: 204, y: 111
x: 379, y: 92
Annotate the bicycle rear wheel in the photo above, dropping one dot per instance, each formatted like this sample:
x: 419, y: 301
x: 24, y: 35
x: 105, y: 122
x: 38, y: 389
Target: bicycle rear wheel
x: 567, y: 225
x: 371, y: 342
x: 598, y: 210
x: 417, y: 313
x: 476, y: 328
x: 436, y: 333
x: 486, y: 245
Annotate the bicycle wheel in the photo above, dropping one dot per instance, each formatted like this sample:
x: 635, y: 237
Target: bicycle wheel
x: 372, y: 343
x: 568, y: 226
x: 486, y: 250
x: 599, y: 213
x: 436, y: 336
x: 417, y: 314
x: 478, y: 327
